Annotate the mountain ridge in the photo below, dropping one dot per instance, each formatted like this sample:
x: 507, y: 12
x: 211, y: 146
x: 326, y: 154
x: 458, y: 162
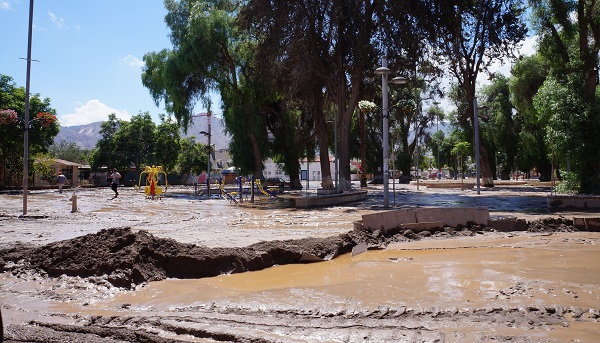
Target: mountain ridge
x: 86, y: 136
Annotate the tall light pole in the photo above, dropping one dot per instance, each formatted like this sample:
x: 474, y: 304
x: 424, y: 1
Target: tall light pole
x: 417, y: 112
x: 26, y: 117
x: 209, y: 150
x: 335, y: 139
x: 384, y: 72
x: 476, y: 129
x: 398, y: 80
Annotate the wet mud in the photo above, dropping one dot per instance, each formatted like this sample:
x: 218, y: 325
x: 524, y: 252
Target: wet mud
x: 166, y: 278
x: 122, y: 261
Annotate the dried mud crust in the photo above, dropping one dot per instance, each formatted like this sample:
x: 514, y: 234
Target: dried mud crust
x: 126, y: 258
x: 238, y: 324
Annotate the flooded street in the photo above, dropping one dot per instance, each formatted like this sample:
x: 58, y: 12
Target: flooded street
x: 517, y: 287
x: 516, y: 279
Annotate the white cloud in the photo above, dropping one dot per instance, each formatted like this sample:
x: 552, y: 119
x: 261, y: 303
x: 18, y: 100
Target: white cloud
x: 132, y: 61
x: 529, y: 46
x: 59, y: 22
x: 91, y: 111
x: 5, y: 5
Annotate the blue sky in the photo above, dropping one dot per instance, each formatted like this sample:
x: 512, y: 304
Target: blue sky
x: 90, y: 54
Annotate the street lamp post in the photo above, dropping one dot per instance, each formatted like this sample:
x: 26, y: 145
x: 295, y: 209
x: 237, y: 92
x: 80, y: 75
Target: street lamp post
x: 207, y: 134
x: 417, y: 113
x: 335, y: 139
x: 26, y: 118
x: 384, y: 71
x: 476, y: 129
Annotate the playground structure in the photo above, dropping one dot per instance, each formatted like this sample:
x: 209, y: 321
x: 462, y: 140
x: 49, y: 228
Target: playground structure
x: 232, y: 196
x: 226, y: 195
x: 151, y: 187
x: 265, y: 190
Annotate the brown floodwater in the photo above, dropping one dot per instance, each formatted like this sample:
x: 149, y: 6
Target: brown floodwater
x: 505, y: 271
x: 512, y: 274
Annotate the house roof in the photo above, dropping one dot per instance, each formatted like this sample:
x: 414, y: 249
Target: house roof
x: 67, y: 163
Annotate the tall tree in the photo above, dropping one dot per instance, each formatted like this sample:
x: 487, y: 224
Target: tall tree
x: 168, y: 143
x: 69, y: 151
x: 11, y: 135
x: 103, y: 154
x: 325, y: 52
x: 499, y: 126
x: 208, y: 55
x: 193, y: 156
x: 134, y: 143
x: 470, y: 36
x: 528, y: 75
x: 569, y: 32
x: 294, y: 38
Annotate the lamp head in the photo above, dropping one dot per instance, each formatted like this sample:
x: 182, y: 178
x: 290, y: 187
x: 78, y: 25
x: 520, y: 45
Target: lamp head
x: 399, y: 80
x: 382, y: 71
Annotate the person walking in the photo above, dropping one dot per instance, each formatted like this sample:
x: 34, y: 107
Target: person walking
x: 115, y: 176
x: 60, y: 180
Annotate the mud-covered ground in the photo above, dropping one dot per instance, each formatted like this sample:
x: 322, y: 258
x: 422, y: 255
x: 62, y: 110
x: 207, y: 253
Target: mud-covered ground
x: 153, y: 271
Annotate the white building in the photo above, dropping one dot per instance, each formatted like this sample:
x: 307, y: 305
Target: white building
x: 312, y: 169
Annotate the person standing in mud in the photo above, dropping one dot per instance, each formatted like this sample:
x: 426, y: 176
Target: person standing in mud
x: 115, y: 176
x: 60, y: 180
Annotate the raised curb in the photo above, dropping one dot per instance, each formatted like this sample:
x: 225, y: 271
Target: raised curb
x: 450, y: 185
x: 559, y: 202
x: 587, y: 224
x: 330, y: 199
x: 454, y: 216
x: 508, y: 224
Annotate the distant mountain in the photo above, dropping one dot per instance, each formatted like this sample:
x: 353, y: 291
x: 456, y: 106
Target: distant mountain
x: 86, y: 136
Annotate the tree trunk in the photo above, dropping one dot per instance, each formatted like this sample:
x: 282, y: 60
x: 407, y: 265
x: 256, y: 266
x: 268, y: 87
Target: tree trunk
x: 487, y: 176
x: 258, y: 161
x: 345, y: 183
x: 363, y: 150
x: 320, y: 128
x: 294, y: 173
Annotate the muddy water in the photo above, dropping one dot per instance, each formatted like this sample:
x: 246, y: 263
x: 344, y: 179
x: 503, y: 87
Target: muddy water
x: 454, y: 275
x: 453, y: 290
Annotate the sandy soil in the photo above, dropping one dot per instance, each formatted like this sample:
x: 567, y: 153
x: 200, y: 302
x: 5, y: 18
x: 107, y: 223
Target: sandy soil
x: 202, y: 270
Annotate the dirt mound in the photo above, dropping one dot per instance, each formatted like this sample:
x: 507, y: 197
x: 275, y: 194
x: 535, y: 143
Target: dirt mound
x: 551, y: 225
x: 126, y: 258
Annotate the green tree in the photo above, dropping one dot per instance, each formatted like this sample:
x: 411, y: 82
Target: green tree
x: 528, y: 75
x: 435, y: 143
x: 134, y: 143
x: 461, y: 150
x: 104, y: 152
x: 11, y: 135
x: 470, y: 36
x: 168, y: 144
x: 192, y: 157
x: 43, y: 166
x: 324, y: 53
x: 208, y: 55
x: 69, y: 151
x: 569, y: 39
x: 565, y: 113
x: 499, y: 127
